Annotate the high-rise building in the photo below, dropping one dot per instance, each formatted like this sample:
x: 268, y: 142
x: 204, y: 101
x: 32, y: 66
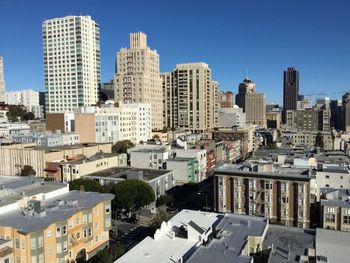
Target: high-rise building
x: 227, y: 99
x: 71, y: 62
x: 137, y: 77
x: 2, y: 80
x: 190, y: 97
x: 253, y: 103
x: 308, y: 120
x: 336, y: 114
x: 290, y: 91
x: 346, y: 111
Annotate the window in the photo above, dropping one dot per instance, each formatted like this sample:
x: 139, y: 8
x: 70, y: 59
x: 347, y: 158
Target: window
x: 84, y: 219
x: 17, y: 244
x: 40, y: 241
x: 330, y: 218
x: 59, y: 248
x: 108, y: 209
x: 96, y: 226
x: 108, y: 222
x: 41, y: 258
x: 49, y: 234
x: 90, y: 232
x: 90, y: 217
x: 33, y: 259
x: 23, y: 243
x: 64, y: 230
x: 346, y: 219
x: 32, y: 243
x: 65, y: 246
x: 77, y: 235
x: 58, y: 231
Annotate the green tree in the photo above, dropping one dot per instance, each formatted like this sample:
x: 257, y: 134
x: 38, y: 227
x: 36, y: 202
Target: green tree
x: 15, y: 113
x: 28, y: 116
x: 132, y: 195
x: 89, y: 185
x: 27, y: 170
x: 319, y: 141
x: 122, y: 146
x: 164, y: 200
x: 158, y: 219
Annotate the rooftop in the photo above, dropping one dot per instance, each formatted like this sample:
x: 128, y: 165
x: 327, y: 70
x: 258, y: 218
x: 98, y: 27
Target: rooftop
x: 120, y: 172
x: 233, y: 232
x: 52, y: 210
x: 171, y: 242
x: 288, y: 244
x: 14, y: 188
x: 333, y: 245
x: 96, y: 156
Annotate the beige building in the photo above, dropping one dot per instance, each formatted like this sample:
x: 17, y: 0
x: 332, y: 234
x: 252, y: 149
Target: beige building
x: 71, y: 227
x: 308, y: 138
x: 14, y: 157
x: 190, y: 98
x: 71, y: 62
x: 2, y: 80
x: 100, y: 161
x: 274, y: 119
x: 253, y: 103
x: 280, y: 196
x: 308, y: 120
x: 137, y: 78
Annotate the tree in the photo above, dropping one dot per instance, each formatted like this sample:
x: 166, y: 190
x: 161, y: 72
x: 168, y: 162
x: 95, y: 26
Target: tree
x: 122, y: 146
x: 89, y: 185
x: 109, y: 255
x: 132, y: 195
x: 164, y: 200
x: 15, y: 113
x: 159, y: 219
x: 27, y: 170
x: 28, y: 116
x: 319, y: 141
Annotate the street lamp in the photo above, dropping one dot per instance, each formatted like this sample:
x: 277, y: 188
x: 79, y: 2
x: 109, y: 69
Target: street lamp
x: 206, y: 201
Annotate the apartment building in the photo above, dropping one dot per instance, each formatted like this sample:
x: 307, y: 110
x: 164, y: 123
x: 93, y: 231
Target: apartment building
x: 9, y: 130
x: 274, y: 119
x: 282, y: 196
x: 72, y: 68
x: 2, y: 80
x: 335, y: 209
x: 106, y: 124
x: 28, y: 98
x: 76, y: 169
x: 137, y: 78
x: 308, y: 138
x: 308, y: 120
x: 48, y: 139
x: 14, y: 157
x: 226, y: 99
x: 230, y: 117
x: 70, y: 227
x: 190, y: 98
x: 186, y: 170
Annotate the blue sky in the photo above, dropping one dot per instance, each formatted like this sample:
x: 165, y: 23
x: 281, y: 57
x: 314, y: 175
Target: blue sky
x: 231, y: 36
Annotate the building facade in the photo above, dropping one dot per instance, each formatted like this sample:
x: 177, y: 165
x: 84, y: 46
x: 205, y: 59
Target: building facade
x: 290, y: 90
x: 190, y: 98
x: 2, y: 80
x: 137, y: 78
x: 227, y: 99
x: 281, y: 198
x: 68, y: 228
x: 252, y: 103
x: 71, y: 62
x: 346, y: 111
x: 229, y: 117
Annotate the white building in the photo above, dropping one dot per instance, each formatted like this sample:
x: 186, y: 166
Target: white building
x: 137, y: 78
x: 71, y: 62
x: 7, y: 130
x: 48, y: 139
x: 28, y: 98
x: 229, y: 117
x: 2, y: 80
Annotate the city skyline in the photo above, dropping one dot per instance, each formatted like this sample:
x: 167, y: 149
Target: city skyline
x: 316, y: 46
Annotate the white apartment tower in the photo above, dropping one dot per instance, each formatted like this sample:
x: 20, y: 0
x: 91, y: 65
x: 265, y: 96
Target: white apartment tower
x: 71, y: 62
x: 137, y: 78
x: 190, y: 98
x: 2, y: 80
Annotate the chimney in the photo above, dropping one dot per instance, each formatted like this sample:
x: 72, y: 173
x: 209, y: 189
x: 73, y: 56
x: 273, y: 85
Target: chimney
x: 82, y: 188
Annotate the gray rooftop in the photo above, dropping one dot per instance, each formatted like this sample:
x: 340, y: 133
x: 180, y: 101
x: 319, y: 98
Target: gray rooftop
x: 96, y: 156
x: 233, y: 231
x: 121, y: 172
x: 332, y: 244
x: 53, y: 210
x: 289, y: 243
x: 14, y: 188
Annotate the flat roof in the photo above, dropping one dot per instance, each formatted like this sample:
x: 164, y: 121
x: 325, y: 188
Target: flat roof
x: 119, y: 172
x: 55, y: 209
x: 233, y: 232
x: 14, y: 188
x: 289, y: 243
x: 95, y: 157
x: 332, y: 244
x: 171, y: 249
x: 286, y: 173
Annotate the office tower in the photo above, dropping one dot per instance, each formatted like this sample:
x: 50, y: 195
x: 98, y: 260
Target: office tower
x: 336, y: 114
x: 2, y: 80
x: 290, y: 91
x: 346, y: 111
x: 190, y: 97
x: 137, y: 77
x: 71, y: 62
x: 253, y: 103
x: 227, y: 99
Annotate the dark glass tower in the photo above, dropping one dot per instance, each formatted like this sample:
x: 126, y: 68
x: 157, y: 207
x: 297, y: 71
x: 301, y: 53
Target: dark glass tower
x: 290, y: 90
